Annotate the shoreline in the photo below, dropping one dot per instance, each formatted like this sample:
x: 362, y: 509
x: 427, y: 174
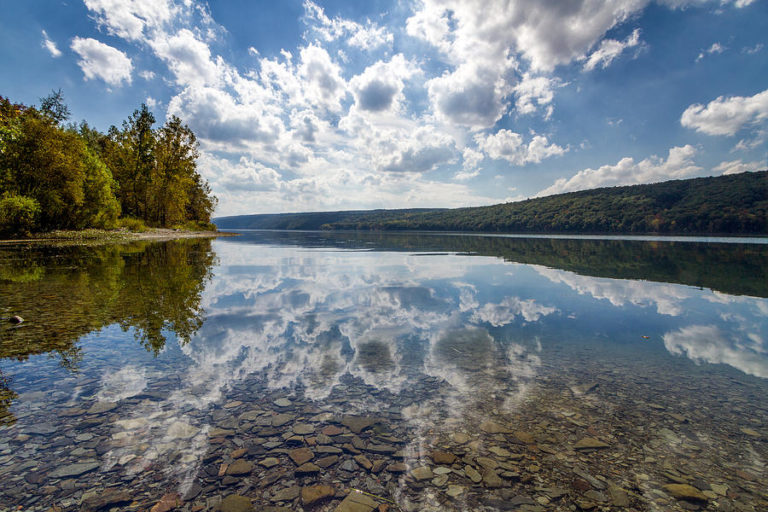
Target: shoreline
x: 114, y: 235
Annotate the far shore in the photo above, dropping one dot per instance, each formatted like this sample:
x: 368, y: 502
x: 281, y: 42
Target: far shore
x: 114, y: 235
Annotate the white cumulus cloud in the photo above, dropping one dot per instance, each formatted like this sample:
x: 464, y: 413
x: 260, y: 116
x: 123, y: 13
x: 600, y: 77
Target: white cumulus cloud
x: 508, y: 145
x: 130, y: 18
x: 609, y: 49
x: 98, y: 60
x: 368, y: 36
x: 50, y: 46
x: 679, y: 164
x: 380, y: 86
x: 737, y: 167
x: 727, y: 115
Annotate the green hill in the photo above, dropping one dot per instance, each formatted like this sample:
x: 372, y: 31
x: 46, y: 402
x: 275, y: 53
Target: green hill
x: 734, y: 204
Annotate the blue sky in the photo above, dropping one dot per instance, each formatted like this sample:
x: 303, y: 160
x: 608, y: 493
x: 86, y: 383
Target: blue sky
x: 312, y: 105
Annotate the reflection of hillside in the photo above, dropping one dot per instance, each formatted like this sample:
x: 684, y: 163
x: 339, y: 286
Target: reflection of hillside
x: 736, y: 269
x: 65, y: 293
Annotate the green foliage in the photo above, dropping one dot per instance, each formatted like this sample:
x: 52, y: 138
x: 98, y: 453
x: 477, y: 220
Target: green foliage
x: 81, y: 178
x: 131, y: 224
x: 196, y: 225
x: 735, y: 204
x: 18, y: 214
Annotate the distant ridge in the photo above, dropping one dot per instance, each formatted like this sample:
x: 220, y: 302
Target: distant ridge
x: 733, y: 204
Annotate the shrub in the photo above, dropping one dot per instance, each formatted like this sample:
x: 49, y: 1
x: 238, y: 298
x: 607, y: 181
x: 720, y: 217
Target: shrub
x: 196, y: 225
x: 18, y: 215
x: 131, y: 224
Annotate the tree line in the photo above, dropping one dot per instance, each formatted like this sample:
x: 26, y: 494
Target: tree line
x: 734, y: 204
x: 58, y: 175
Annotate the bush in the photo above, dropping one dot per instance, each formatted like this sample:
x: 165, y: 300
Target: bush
x: 18, y: 215
x: 131, y: 224
x: 196, y: 225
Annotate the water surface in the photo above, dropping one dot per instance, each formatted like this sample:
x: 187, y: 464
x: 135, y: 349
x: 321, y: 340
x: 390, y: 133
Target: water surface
x: 431, y: 372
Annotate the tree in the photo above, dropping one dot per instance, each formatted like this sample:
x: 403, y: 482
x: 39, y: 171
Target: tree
x: 54, y: 166
x: 176, y: 154
x: 53, y: 106
x: 133, y: 160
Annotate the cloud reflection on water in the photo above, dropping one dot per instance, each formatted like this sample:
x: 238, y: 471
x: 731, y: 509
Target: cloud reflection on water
x: 305, y: 319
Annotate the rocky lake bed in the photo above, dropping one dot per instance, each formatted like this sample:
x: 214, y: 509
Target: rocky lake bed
x: 572, y: 445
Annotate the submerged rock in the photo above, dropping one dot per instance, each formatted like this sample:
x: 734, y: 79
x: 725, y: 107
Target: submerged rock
x: 240, y: 467
x: 236, y: 503
x: 357, y: 502
x: 74, y: 470
x: 315, y: 493
x: 590, y: 443
x: 685, y: 492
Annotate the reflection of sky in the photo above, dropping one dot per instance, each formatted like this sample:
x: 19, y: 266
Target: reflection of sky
x: 480, y: 326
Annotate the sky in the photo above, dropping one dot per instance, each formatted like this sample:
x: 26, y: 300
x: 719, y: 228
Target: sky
x: 328, y: 105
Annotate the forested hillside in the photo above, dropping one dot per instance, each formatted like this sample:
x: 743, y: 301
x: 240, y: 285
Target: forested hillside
x: 734, y: 204
x: 67, y: 176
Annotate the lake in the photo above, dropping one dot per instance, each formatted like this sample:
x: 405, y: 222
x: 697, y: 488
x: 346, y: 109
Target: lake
x: 356, y: 372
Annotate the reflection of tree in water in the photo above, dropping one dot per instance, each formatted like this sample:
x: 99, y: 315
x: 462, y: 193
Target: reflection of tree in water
x: 735, y: 269
x: 64, y: 293
x: 161, y: 290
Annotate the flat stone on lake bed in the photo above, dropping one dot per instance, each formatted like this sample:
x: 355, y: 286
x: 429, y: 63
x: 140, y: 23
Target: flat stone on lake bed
x: 315, y: 493
x: 358, y: 423
x: 472, y: 474
x: 590, y: 443
x: 439, y: 457
x: 281, y: 419
x: 332, y: 430
x: 303, y: 429
x: 499, y: 452
x: 181, y: 430
x: 328, y: 449
x: 301, y: 455
x: 491, y: 427
x: 397, y: 467
x: 101, y: 407
x: 422, y: 473
x: 381, y: 448
x: 287, y: 494
x: 685, y: 492
x: 282, y: 402
x: 220, y: 432
x: 235, y: 503
x: 356, y: 501
x: 269, y: 462
x: 74, y: 470
x: 240, y: 467
x: 307, y: 469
